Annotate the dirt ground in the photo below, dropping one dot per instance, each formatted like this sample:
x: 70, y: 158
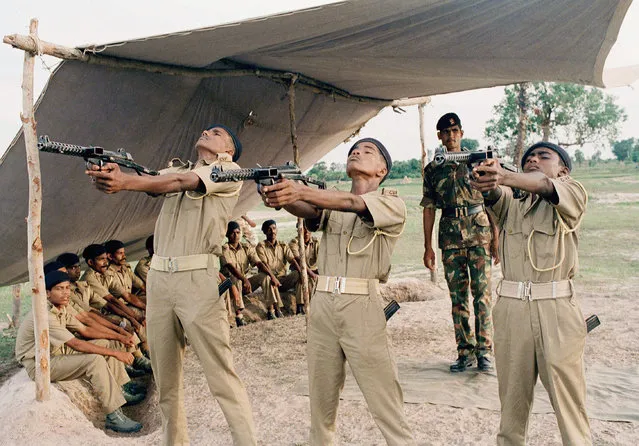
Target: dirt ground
x: 270, y: 358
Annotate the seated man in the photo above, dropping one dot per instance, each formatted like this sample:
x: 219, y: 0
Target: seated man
x: 73, y: 358
x: 120, y: 270
x: 311, y: 250
x: 143, y: 266
x: 236, y: 262
x: 116, y: 310
x: 275, y: 255
x: 86, y: 301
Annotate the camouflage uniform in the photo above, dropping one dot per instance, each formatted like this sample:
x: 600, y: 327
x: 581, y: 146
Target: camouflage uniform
x: 465, y: 243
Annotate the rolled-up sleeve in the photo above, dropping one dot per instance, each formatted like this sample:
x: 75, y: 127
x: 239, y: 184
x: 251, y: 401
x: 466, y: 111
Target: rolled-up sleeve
x: 428, y: 192
x: 572, y: 200
x: 229, y: 188
x: 388, y: 212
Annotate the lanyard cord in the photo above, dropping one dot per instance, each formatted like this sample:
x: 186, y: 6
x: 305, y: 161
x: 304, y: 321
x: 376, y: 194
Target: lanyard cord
x: 375, y: 234
x: 563, y: 230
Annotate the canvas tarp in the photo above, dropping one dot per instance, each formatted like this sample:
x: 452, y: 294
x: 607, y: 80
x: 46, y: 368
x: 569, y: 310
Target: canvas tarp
x: 371, y: 48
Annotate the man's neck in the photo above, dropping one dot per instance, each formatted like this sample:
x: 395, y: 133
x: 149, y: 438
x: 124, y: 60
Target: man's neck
x: 235, y: 245
x: 273, y: 242
x: 363, y: 185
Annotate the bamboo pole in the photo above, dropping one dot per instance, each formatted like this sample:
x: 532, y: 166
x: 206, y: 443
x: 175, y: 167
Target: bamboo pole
x: 15, y: 290
x: 425, y: 157
x: 35, y: 255
x: 300, y: 221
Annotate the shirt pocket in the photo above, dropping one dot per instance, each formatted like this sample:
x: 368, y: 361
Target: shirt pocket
x: 361, y: 238
x: 333, y: 231
x: 544, y: 240
x: 515, y: 244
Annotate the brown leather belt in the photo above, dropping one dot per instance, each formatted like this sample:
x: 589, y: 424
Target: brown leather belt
x: 463, y: 211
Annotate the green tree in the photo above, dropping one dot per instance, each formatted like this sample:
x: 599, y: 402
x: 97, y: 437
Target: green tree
x: 579, y: 157
x: 470, y: 144
x: 571, y: 114
x: 623, y: 150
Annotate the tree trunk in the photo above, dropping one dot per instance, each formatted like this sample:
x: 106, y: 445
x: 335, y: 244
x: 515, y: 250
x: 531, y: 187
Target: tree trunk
x: 522, y: 125
x: 35, y: 255
x: 16, y: 305
x: 545, y: 128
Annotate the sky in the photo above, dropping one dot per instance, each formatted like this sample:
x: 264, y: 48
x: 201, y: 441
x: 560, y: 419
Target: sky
x: 75, y: 23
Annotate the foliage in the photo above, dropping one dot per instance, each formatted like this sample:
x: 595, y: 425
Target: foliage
x: 571, y: 114
x: 626, y: 150
x: 470, y: 144
x: 579, y: 157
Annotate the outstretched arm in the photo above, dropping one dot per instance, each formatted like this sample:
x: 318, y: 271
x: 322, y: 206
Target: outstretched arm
x: 110, y: 179
x: 489, y: 175
x: 307, y: 202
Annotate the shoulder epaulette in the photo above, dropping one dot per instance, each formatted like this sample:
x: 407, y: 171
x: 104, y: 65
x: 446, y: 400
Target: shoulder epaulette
x: 388, y: 191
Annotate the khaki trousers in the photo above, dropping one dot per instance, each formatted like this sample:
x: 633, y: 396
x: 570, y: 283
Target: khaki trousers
x: 287, y: 282
x: 105, y: 374
x: 187, y: 303
x: 349, y: 327
x: 545, y: 338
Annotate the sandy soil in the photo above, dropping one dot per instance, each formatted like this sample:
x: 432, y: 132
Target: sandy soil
x: 270, y: 358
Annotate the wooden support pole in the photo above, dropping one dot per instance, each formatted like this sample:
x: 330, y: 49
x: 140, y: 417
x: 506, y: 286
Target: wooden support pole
x: 35, y: 255
x: 16, y: 305
x: 425, y: 158
x: 300, y: 221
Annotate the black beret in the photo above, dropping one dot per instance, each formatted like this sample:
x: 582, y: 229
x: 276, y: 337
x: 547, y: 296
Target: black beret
x: 266, y: 225
x: 53, y: 266
x: 93, y: 251
x: 68, y: 259
x: 55, y: 277
x: 113, y: 245
x: 554, y: 147
x: 236, y: 141
x: 448, y: 120
x: 232, y: 226
x: 382, y: 151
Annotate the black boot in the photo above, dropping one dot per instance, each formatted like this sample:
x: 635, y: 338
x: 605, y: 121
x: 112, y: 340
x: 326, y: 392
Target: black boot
x: 484, y: 364
x: 462, y: 363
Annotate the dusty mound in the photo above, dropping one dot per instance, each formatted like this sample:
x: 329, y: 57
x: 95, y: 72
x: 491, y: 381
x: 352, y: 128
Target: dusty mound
x: 412, y: 290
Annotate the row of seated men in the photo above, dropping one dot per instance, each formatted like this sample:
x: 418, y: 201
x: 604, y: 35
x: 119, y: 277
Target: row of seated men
x: 271, y: 257
x: 96, y: 329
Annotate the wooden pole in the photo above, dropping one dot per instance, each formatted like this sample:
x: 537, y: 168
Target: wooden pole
x: 16, y: 305
x: 300, y: 221
x: 425, y: 157
x: 35, y: 255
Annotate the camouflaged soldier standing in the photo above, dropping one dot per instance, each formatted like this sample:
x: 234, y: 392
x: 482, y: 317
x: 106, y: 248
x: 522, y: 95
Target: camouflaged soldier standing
x: 465, y: 238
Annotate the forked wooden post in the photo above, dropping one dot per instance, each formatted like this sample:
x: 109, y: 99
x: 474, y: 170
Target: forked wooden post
x: 420, y: 108
x: 300, y: 221
x: 35, y: 255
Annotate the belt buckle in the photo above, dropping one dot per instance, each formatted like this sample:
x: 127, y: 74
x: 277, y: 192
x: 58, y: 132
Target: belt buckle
x: 339, y: 287
x: 527, y: 294
x: 171, y: 265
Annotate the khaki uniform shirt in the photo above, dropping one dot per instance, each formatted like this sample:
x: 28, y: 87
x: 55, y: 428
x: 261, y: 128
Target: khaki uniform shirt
x: 447, y: 186
x: 61, y: 322
x: 312, y: 251
x: 103, y: 284
x: 275, y: 256
x: 83, y: 297
x: 194, y: 222
x: 518, y: 218
x: 142, y: 268
x: 125, y: 278
x: 388, y: 215
x: 242, y: 258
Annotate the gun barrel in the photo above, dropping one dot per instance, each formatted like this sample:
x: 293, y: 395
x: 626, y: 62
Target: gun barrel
x: 460, y: 157
x: 253, y: 173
